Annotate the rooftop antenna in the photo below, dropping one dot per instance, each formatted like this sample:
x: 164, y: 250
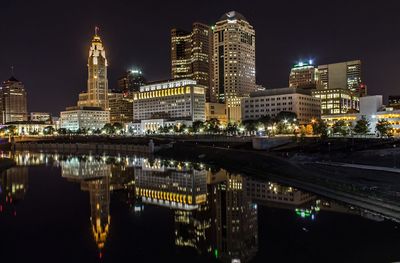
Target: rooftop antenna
x: 96, y: 30
x: 12, y: 70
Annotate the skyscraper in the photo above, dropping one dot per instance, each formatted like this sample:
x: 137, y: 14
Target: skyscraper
x: 340, y: 87
x: 13, y: 104
x: 343, y: 75
x: 131, y: 81
x: 191, y: 55
x: 303, y: 75
x: 97, y: 86
x: 234, y: 61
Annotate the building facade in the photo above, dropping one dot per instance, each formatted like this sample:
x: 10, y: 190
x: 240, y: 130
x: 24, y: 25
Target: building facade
x: 303, y: 75
x: 84, y: 118
x: 13, y: 101
x: 121, y: 107
x: 97, y: 85
x: 272, y: 101
x: 191, y: 55
x: 234, y: 60
x: 216, y: 111
x: 343, y: 75
x: 40, y: 116
x: 171, y: 100
x: 337, y: 101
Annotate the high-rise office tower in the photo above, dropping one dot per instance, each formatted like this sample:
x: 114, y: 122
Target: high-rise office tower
x: 131, y: 81
x: 343, y: 75
x: 13, y: 102
x: 234, y: 61
x: 303, y: 75
x: 340, y: 87
x: 97, y: 86
x: 191, y: 55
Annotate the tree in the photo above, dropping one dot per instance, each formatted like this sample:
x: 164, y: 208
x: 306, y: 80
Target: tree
x: 231, y: 128
x: 213, y: 125
x: 340, y: 127
x: 383, y: 127
x: 12, y: 130
x: 362, y: 126
x: 287, y: 116
x: 320, y: 128
x: 198, y: 126
x: 62, y: 131
x: 48, y: 130
x: 108, y: 128
x: 118, y: 127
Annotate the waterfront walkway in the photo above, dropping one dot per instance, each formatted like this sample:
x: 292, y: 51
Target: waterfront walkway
x: 361, y: 166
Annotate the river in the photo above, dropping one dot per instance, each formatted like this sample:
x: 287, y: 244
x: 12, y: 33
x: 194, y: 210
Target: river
x: 88, y: 208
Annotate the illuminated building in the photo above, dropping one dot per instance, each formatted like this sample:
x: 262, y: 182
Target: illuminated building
x: 216, y: 111
x: 191, y: 55
x: 13, y: 104
x: 97, y: 86
x: 272, y: 101
x: 303, y: 75
x: 87, y: 118
x: 269, y: 192
x: 340, y: 87
x: 179, y: 187
x: 40, y: 116
x: 99, y: 191
x: 337, y: 101
x: 234, y: 61
x: 236, y: 227
x: 13, y: 187
x: 131, y: 81
x: 394, y: 102
x: 77, y: 169
x: 168, y: 101
x: 30, y: 127
x: 121, y: 107
x: 371, y: 108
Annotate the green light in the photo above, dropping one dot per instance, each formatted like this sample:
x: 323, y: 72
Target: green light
x: 216, y: 253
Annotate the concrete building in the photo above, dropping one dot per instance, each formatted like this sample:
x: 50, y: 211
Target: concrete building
x: 394, y: 101
x: 234, y: 61
x: 191, y: 55
x: 337, y: 101
x: 30, y: 127
x: 343, y: 75
x: 88, y: 118
x: 97, y: 86
x: 121, y: 107
x: 303, y: 75
x: 272, y: 101
x: 216, y: 111
x: 40, y: 116
x: 371, y: 108
x: 13, y: 102
x: 177, y: 186
x: 169, y: 101
x: 340, y: 87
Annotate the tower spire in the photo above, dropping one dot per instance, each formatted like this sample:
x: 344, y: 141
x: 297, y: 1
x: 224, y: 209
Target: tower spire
x: 12, y: 70
x: 96, y: 30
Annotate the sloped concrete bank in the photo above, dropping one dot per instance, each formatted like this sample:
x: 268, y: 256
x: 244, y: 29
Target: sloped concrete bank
x: 323, y: 181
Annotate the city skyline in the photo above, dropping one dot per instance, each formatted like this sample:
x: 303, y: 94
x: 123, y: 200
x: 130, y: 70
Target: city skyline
x: 373, y: 42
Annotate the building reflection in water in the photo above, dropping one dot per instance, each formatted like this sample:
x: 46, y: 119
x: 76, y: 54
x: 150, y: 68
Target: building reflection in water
x: 215, y: 211
x: 13, y: 187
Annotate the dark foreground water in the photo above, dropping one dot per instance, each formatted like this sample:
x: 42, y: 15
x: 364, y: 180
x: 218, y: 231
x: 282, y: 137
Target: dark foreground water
x: 56, y: 208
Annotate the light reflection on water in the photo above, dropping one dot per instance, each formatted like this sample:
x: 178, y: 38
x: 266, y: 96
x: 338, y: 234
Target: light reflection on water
x: 215, y: 211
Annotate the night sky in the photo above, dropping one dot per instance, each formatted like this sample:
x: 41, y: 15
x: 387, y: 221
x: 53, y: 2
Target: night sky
x: 47, y: 42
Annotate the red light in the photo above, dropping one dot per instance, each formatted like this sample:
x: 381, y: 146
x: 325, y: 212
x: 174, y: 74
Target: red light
x: 100, y: 255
